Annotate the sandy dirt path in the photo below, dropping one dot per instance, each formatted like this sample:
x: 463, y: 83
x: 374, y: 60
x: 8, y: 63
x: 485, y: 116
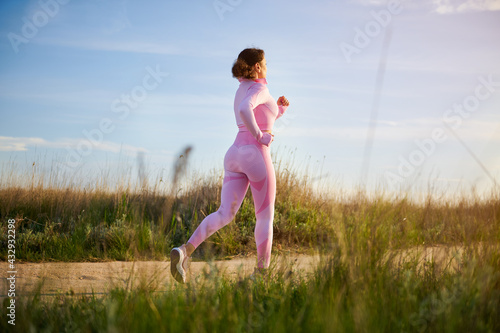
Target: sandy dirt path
x: 100, y: 277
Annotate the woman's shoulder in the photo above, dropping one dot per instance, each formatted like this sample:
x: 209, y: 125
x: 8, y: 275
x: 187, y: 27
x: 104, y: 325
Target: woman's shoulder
x: 257, y: 87
x: 252, y: 87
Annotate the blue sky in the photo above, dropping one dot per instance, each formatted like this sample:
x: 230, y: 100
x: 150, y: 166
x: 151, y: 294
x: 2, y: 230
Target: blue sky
x: 67, y: 68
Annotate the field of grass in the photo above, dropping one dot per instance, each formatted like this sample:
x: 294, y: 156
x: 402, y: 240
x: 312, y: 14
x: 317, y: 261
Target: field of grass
x: 358, y: 287
x: 346, y: 293
x: 66, y: 221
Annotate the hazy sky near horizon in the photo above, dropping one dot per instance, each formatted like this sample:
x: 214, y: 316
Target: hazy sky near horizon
x: 90, y: 84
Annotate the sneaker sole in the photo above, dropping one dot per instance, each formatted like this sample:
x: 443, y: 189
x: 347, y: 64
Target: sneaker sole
x: 175, y: 258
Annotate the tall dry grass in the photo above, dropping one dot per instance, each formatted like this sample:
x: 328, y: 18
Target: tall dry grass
x: 373, y: 277
x: 114, y: 216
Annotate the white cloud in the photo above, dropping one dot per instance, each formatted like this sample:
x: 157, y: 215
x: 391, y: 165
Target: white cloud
x: 19, y: 144
x: 372, y: 2
x: 112, y: 45
x: 409, y: 130
x: 358, y: 134
x: 24, y: 143
x: 441, y: 6
x: 381, y: 122
x: 459, y: 6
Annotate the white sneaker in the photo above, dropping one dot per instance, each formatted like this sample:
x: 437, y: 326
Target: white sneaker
x: 179, y: 264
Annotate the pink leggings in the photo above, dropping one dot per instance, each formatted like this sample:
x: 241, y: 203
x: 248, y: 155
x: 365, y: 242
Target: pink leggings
x: 247, y: 162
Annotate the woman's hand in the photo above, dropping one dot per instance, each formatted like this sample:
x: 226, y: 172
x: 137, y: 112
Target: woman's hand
x: 283, y: 101
x: 266, y: 139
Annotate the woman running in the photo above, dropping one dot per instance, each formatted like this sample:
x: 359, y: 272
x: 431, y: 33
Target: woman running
x: 247, y: 162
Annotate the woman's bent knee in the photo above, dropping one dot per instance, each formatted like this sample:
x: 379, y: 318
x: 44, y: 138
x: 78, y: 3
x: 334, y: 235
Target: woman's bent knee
x: 225, y: 216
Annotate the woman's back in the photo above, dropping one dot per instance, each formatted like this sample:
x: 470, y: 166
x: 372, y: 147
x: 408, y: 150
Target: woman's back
x: 253, y: 96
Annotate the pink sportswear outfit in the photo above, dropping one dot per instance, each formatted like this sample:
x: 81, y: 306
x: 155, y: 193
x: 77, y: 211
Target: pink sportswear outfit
x: 248, y: 162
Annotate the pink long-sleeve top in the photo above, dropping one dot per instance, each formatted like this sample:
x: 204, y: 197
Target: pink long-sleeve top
x: 254, y: 107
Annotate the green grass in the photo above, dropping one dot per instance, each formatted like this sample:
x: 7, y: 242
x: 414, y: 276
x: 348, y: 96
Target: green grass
x: 95, y: 223
x: 360, y: 286
x: 346, y: 293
